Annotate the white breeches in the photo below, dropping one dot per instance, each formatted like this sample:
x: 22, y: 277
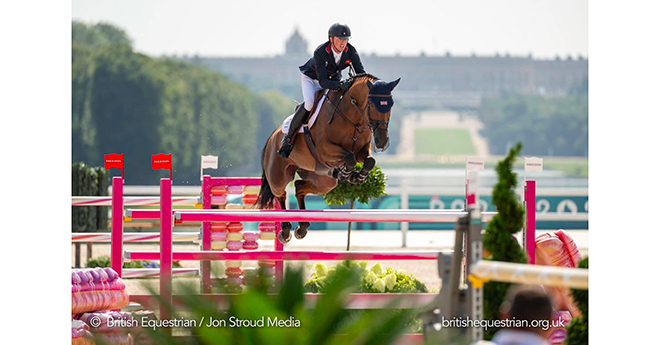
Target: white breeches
x: 309, y: 88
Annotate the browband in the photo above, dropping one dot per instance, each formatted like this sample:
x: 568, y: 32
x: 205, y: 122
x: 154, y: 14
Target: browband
x: 370, y: 95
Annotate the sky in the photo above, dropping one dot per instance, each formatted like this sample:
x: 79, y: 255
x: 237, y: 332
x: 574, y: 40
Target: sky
x: 256, y: 28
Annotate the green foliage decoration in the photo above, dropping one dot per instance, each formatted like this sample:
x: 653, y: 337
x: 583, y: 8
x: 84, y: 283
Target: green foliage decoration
x: 104, y: 261
x: 375, y: 279
x: 373, y: 187
x: 346, y: 192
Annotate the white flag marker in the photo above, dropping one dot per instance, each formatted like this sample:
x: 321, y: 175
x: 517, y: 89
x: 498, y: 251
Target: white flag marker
x: 208, y: 162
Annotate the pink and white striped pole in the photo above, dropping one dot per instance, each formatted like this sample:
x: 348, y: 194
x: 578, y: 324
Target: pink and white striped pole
x: 288, y: 255
x: 279, y: 247
x: 117, y: 230
x: 165, y: 246
x: 530, y: 228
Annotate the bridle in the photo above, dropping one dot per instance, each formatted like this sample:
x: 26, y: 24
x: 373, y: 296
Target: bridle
x: 366, y: 121
x: 360, y: 127
x: 375, y: 124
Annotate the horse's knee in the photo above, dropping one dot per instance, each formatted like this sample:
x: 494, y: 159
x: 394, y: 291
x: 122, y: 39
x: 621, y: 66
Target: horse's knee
x: 350, y: 160
x: 299, y: 184
x: 369, y: 163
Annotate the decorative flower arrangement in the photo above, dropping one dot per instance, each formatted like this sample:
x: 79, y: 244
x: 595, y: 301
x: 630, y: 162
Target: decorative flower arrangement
x: 373, y: 280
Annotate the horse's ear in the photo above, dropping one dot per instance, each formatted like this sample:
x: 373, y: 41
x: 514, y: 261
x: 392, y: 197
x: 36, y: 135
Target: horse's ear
x: 393, y: 84
x: 369, y: 84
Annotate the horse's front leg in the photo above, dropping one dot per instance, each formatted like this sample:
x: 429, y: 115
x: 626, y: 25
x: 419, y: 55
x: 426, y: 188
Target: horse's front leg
x: 344, y: 161
x: 358, y: 177
x: 347, y: 168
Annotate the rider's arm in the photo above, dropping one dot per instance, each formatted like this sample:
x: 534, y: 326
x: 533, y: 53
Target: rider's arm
x: 322, y: 72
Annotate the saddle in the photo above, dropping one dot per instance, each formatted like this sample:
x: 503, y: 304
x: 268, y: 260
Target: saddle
x: 317, y: 97
x: 321, y: 167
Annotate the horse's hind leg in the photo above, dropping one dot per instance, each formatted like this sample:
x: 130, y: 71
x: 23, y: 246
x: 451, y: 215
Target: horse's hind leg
x: 301, y: 229
x: 285, y: 234
x: 311, y: 184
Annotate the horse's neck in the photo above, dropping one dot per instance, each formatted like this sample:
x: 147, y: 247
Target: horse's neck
x: 355, y: 113
x: 334, y: 126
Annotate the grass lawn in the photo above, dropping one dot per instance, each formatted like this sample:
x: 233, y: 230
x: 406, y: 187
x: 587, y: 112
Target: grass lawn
x: 440, y: 141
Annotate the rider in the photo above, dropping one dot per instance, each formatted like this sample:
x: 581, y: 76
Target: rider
x: 323, y: 71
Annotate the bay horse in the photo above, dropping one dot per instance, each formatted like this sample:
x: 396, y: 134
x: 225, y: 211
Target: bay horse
x: 342, y: 137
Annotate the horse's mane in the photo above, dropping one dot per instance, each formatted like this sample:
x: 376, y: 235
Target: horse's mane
x: 363, y: 77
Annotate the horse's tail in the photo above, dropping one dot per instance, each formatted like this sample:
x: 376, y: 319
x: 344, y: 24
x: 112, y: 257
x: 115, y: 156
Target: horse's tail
x: 266, y: 196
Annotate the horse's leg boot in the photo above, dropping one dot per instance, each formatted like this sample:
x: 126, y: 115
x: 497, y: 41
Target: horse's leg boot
x: 286, y: 146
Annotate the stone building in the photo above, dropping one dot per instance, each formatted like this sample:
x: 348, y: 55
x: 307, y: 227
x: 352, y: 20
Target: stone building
x: 428, y: 82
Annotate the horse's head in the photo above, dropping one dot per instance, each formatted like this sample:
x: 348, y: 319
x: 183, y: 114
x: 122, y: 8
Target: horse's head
x: 380, y: 98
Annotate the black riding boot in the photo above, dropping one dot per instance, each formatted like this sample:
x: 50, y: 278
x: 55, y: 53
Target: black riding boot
x: 286, y: 146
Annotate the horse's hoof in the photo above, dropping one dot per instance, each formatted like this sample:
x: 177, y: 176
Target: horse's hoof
x: 282, y: 239
x: 300, y: 233
x: 301, y: 230
x: 285, y: 235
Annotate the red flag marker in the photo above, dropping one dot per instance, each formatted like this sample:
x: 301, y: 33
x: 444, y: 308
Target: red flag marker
x: 162, y: 161
x: 114, y: 161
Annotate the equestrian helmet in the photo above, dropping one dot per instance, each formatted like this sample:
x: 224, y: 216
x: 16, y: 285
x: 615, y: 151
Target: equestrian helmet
x: 340, y: 30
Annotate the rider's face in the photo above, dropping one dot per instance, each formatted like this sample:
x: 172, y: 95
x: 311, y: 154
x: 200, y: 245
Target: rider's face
x: 338, y: 44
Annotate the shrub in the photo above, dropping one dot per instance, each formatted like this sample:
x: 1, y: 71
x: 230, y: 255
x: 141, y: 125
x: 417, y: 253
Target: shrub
x: 498, y: 237
x: 577, y: 332
x: 104, y: 261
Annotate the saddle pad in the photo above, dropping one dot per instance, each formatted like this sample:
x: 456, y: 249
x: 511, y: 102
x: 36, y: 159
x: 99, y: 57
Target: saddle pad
x: 312, y: 119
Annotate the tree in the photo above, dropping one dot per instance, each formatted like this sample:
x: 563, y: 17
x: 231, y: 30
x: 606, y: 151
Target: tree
x: 83, y: 131
x: 499, y: 240
x: 123, y: 101
x: 373, y: 187
x: 548, y: 126
x: 97, y: 36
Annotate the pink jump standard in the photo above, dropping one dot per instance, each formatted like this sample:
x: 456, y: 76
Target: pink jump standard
x: 166, y: 245
x: 116, y: 161
x: 117, y: 237
x: 530, y: 221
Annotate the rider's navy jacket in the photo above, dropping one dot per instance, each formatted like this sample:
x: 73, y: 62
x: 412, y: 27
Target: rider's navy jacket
x: 323, y: 68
